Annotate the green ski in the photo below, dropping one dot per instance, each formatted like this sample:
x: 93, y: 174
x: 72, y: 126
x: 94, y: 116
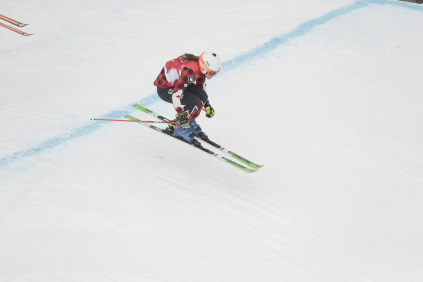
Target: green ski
x: 217, y: 146
x: 210, y: 153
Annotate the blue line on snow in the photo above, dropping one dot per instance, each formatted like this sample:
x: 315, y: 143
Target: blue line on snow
x: 267, y: 47
x: 306, y: 27
x: 301, y: 30
x: 77, y: 132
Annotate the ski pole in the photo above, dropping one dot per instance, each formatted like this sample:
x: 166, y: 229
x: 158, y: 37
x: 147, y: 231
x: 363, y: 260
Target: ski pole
x: 148, y: 121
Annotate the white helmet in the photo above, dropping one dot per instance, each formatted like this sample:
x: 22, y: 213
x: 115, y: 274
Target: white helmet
x: 209, y: 63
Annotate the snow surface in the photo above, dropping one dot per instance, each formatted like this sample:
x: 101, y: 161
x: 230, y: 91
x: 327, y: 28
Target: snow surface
x: 327, y: 94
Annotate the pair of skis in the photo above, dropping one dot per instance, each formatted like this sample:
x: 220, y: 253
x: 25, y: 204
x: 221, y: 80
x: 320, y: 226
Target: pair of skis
x: 14, y: 23
x: 244, y: 164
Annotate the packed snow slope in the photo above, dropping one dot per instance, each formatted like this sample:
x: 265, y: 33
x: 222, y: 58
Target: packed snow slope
x: 326, y: 94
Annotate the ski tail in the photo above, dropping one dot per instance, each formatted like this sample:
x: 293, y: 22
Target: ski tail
x: 151, y: 113
x: 12, y: 21
x: 15, y: 30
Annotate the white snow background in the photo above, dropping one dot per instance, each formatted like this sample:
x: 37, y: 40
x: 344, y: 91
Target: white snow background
x: 326, y: 94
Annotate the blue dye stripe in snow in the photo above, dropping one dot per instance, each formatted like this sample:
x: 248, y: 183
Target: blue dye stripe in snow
x: 77, y: 132
x: 301, y: 30
x: 267, y: 47
x: 306, y: 27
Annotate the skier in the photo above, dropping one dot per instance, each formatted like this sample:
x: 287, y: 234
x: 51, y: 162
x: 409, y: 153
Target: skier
x: 182, y: 83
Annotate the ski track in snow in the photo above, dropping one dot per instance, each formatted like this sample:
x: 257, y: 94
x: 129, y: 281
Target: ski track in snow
x: 255, y: 53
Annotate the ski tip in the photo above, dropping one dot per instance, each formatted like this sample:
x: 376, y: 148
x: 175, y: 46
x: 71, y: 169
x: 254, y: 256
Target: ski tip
x: 28, y: 34
x: 22, y: 25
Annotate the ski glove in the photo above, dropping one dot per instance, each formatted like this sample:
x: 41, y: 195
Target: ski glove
x: 183, y: 120
x: 209, y: 110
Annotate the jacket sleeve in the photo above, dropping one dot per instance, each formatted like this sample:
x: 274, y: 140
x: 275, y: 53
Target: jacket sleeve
x: 186, y: 78
x: 201, y: 81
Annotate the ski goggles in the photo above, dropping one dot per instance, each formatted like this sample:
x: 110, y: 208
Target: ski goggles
x: 213, y: 73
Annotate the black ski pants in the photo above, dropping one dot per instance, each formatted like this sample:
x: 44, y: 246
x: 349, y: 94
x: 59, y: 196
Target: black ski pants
x: 192, y: 102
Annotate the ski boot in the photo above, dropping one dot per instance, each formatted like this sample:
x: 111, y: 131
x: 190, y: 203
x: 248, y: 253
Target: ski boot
x: 197, y: 131
x: 185, y: 134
